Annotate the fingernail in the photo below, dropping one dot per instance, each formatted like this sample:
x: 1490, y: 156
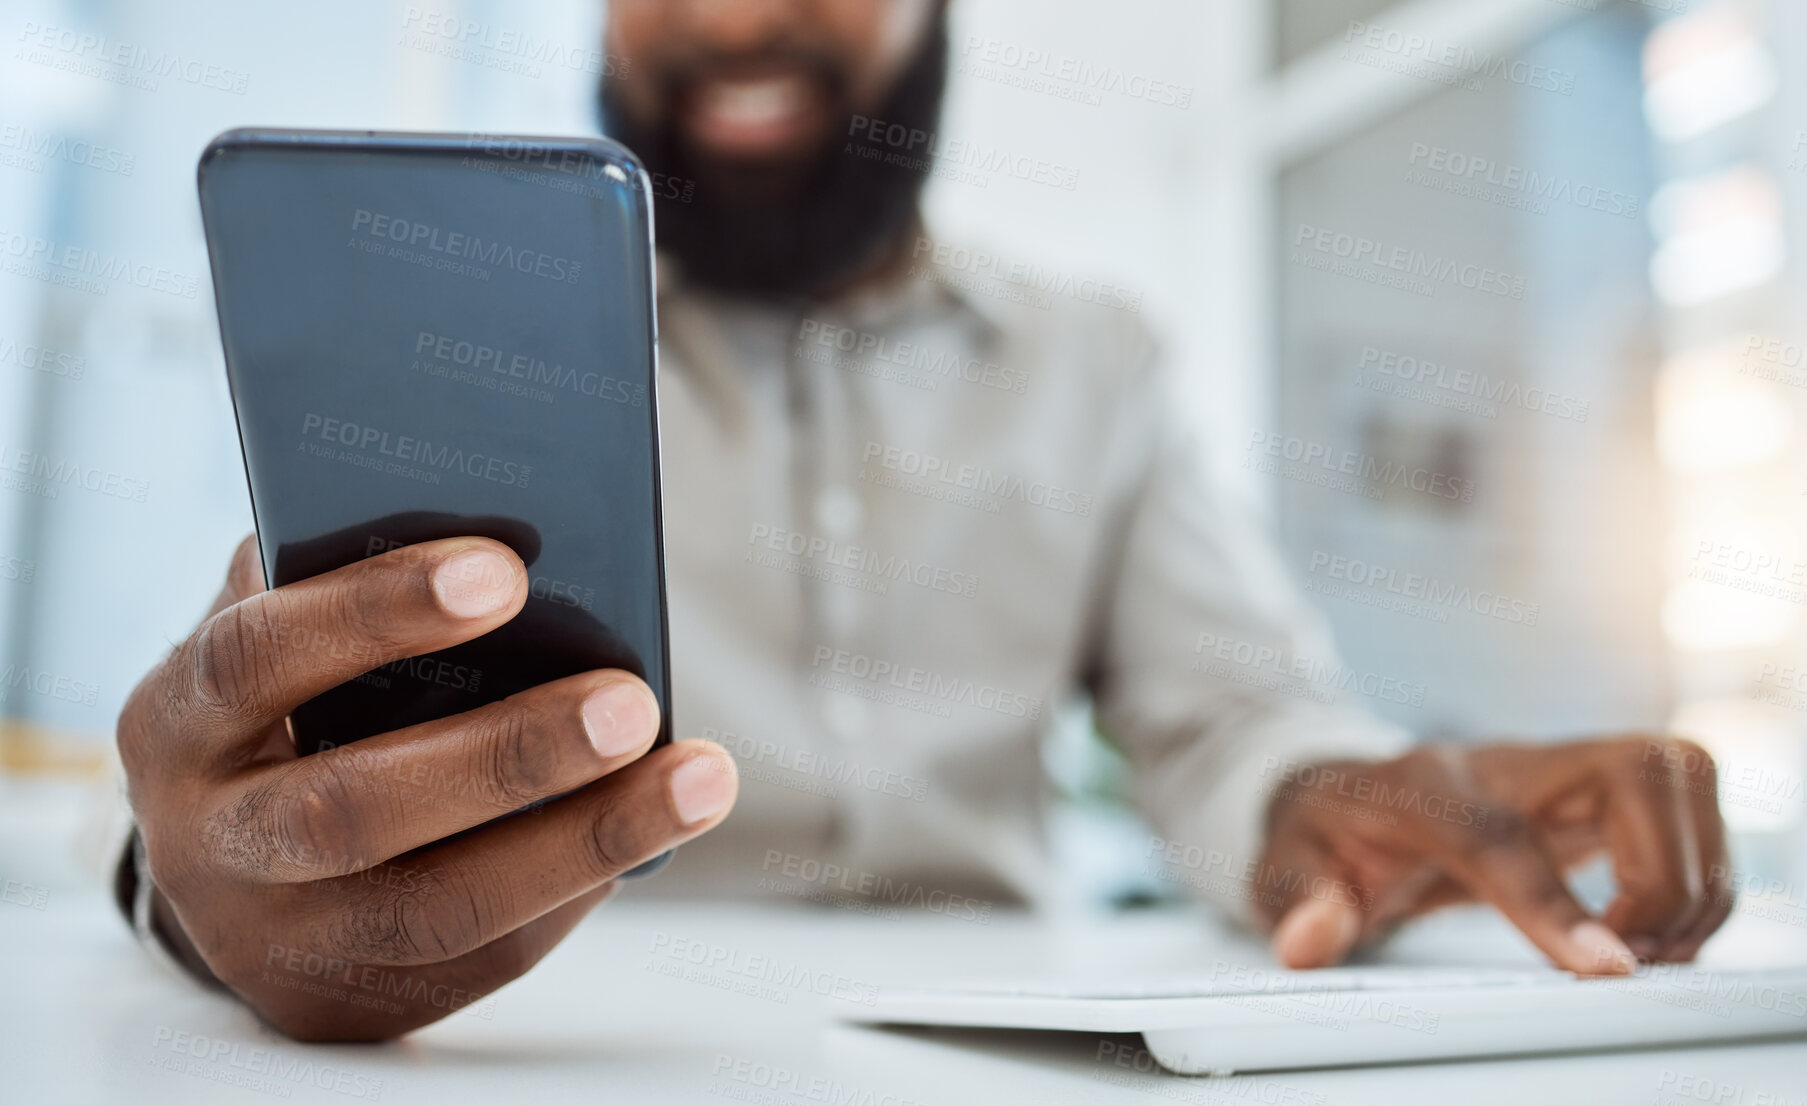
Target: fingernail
x: 473, y: 583
x: 701, y: 788
x: 1604, y: 953
x: 619, y: 718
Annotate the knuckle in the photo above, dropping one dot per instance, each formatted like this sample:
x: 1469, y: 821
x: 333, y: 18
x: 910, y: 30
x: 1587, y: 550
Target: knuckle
x: 1696, y: 760
x: 414, y: 938
x: 437, y: 921
x: 361, y: 629
x: 172, y: 867
x: 1502, y: 830
x: 1678, y: 756
x: 605, y: 853
x: 382, y: 929
x: 1658, y: 905
x: 1661, y: 893
x: 1662, y: 897
x: 1421, y: 761
x: 231, y: 838
x: 229, y: 661
x: 428, y: 917
x: 314, y: 820
x: 522, y: 765
x: 135, y: 718
x: 1428, y: 771
x: 1431, y: 766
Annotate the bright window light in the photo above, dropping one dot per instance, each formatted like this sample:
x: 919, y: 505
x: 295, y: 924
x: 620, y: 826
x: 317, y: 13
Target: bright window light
x: 1695, y: 268
x: 1717, y: 234
x: 1701, y: 616
x: 1703, y: 71
x: 1710, y: 420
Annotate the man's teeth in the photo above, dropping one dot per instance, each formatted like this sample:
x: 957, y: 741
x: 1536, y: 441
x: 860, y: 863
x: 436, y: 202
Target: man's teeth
x: 751, y: 103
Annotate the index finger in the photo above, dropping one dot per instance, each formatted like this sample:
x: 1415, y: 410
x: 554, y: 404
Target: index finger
x: 1501, y: 862
x: 244, y: 577
x: 255, y: 661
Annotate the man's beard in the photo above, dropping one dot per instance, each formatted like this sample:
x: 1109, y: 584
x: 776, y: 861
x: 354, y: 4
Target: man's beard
x: 790, y: 232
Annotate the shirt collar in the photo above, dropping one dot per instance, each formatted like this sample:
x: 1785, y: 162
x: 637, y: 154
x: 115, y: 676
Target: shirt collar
x: 904, y: 295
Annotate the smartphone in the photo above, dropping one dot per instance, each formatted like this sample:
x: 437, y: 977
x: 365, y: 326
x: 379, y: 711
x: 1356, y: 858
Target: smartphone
x: 429, y: 336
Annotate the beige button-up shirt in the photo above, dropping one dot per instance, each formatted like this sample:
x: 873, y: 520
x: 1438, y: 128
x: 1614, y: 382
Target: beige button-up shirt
x: 901, y: 528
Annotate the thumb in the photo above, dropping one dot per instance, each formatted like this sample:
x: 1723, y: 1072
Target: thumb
x: 1317, y: 933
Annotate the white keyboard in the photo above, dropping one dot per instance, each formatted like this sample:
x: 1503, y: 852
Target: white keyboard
x: 1252, y: 1018
x: 1244, y: 980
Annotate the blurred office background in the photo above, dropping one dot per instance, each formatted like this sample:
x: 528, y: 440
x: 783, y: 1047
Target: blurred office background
x: 1580, y: 306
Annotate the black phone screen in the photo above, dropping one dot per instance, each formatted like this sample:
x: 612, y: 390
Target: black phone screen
x: 429, y: 337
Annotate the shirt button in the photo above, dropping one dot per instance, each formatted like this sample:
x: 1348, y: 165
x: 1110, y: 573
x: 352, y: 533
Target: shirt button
x: 838, y: 511
x: 847, y: 718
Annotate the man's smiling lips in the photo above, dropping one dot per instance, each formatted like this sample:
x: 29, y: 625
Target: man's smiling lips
x: 762, y: 115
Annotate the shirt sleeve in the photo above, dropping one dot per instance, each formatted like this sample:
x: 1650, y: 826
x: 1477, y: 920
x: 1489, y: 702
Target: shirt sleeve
x: 1213, y: 673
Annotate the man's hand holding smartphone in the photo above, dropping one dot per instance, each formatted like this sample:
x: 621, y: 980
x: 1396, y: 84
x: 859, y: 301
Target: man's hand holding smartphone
x: 338, y: 894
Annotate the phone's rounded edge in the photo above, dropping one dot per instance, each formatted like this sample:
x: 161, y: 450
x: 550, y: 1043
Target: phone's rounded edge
x: 614, y: 152
x: 226, y: 140
x: 644, y: 189
x: 599, y: 146
x: 651, y: 867
x: 230, y: 139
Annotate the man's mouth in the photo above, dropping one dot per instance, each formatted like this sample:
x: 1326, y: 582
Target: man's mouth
x: 757, y: 116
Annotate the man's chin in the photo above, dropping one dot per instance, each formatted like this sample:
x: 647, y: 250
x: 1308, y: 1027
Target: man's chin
x: 782, y: 228
x: 752, y: 185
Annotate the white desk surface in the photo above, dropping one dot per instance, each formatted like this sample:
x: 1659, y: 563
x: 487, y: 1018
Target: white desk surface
x: 86, y: 1017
